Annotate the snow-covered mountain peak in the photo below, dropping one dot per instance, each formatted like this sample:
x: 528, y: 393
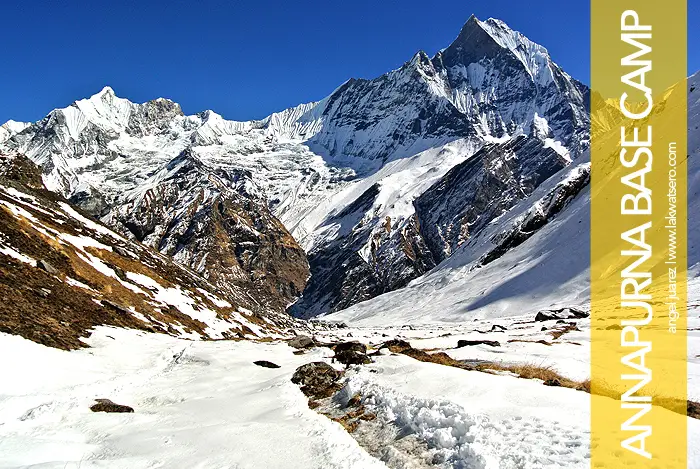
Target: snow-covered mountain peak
x: 10, y: 128
x: 534, y: 56
x: 341, y: 173
x: 106, y: 91
x: 486, y: 39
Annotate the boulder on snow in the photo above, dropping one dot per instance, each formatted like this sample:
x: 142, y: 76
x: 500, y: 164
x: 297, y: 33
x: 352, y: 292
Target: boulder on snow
x: 317, y: 379
x: 465, y: 343
x: 105, y: 405
x: 396, y: 345
x: 266, y: 364
x: 301, y: 341
x: 563, y: 313
x: 350, y: 347
x: 552, y: 382
x: 351, y: 353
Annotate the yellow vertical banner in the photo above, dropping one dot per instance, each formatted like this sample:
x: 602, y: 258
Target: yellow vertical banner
x: 638, y: 234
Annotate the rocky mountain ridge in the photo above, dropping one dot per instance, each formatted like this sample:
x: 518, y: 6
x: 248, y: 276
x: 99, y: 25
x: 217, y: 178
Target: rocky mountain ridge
x: 62, y: 273
x: 340, y: 175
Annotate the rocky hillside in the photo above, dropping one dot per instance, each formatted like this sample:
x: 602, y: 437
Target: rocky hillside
x: 340, y: 175
x: 475, y: 192
x: 62, y: 273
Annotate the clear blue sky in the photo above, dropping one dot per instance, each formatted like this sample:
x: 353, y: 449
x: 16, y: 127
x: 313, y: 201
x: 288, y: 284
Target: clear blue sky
x: 248, y: 58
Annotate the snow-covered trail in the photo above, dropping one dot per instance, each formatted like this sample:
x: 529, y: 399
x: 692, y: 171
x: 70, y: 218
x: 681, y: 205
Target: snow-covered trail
x: 197, y: 405
x: 481, y: 421
x: 204, y: 404
x: 476, y: 420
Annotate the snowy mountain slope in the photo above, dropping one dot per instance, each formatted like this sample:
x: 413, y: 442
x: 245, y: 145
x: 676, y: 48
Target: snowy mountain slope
x: 399, y: 133
x: 10, y: 128
x: 548, y: 269
x: 491, y: 84
x: 535, y: 256
x: 482, y: 188
x: 62, y: 274
x: 214, y: 221
x: 135, y: 166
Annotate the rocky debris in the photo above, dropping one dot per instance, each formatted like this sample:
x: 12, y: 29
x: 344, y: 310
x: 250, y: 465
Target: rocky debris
x: 43, y: 292
x: 564, y: 328
x: 351, y: 353
x: 350, y: 346
x: 301, y: 342
x: 440, y: 358
x: 562, y: 313
x: 396, y: 345
x: 123, y: 252
x: 328, y: 324
x: 313, y: 404
x: 693, y: 409
x: 498, y: 328
x: 105, y: 405
x: 317, y: 379
x: 354, y: 417
x: 466, y: 343
x: 118, y: 271
x: 266, y: 364
x: 45, y: 266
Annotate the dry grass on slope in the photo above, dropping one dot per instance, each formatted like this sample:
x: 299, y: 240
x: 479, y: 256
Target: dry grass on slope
x: 547, y: 374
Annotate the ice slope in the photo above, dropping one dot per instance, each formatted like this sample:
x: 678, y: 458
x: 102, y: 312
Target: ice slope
x: 548, y: 269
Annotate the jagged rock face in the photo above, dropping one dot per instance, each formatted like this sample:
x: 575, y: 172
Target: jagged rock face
x: 397, y: 114
x: 505, y: 82
x: 539, y: 214
x: 490, y: 82
x: 20, y: 169
x: 313, y: 167
x: 84, y: 138
x: 212, y: 221
x: 482, y: 188
x: 345, y: 271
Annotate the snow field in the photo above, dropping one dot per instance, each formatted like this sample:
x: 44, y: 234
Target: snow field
x: 197, y: 404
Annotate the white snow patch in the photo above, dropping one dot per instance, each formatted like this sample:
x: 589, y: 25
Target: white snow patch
x: 8, y: 251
